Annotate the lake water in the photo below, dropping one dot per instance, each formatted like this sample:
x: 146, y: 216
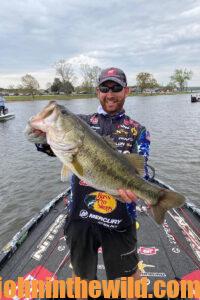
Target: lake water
x: 29, y: 179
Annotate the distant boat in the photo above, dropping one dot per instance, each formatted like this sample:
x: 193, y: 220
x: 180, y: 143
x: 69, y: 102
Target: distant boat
x: 6, y: 117
x: 195, y: 98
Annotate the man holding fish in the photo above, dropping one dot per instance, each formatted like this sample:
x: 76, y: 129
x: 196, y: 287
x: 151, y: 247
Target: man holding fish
x: 101, y: 150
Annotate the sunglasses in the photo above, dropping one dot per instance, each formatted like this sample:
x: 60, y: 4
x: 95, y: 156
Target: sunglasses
x: 114, y: 89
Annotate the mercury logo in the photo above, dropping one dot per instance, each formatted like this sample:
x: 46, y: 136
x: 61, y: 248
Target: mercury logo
x: 83, y: 213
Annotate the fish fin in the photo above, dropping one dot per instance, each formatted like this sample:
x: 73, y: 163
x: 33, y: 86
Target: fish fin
x: 158, y: 213
x: 167, y: 200
x: 109, y: 141
x: 77, y: 166
x: 65, y: 173
x: 137, y: 162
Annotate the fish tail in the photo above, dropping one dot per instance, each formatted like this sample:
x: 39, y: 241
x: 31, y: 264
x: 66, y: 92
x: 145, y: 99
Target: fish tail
x: 166, y: 201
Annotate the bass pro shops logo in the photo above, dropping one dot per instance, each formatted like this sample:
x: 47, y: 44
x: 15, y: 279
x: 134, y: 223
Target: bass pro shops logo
x: 101, y: 202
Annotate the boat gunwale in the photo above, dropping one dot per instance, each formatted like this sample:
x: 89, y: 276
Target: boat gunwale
x: 11, y: 247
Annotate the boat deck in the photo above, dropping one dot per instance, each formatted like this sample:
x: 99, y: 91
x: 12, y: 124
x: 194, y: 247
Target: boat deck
x: 170, y: 251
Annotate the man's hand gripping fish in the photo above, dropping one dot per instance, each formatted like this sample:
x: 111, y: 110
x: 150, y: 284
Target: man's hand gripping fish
x: 93, y: 159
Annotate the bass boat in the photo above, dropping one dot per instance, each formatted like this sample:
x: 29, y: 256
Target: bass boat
x: 195, y: 98
x: 167, y: 252
x: 6, y: 117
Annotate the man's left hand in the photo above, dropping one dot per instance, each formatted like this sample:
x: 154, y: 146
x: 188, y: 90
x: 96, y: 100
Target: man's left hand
x: 127, y: 195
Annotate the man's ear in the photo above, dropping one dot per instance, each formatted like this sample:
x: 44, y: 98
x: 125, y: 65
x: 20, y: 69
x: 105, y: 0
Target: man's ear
x: 97, y: 91
x: 127, y: 90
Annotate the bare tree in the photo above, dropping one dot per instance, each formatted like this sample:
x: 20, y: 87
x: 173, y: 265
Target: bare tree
x: 65, y: 71
x: 30, y: 84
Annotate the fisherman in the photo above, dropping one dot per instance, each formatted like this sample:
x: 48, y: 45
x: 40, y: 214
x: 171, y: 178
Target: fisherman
x: 96, y: 218
x: 2, y: 105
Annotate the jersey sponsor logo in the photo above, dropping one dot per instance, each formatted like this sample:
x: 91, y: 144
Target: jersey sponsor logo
x: 83, y: 213
x: 121, y: 132
x: 94, y: 120
x: 125, y: 139
x: 104, y: 220
x: 124, y: 126
x: 148, y: 250
x: 134, y: 131
x: 120, y: 144
x: 128, y: 122
x: 100, y: 202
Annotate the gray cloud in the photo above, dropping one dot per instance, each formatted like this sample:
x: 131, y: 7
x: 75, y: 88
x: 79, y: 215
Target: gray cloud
x: 136, y: 35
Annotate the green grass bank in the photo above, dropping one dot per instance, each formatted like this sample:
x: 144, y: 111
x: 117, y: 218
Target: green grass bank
x: 78, y: 96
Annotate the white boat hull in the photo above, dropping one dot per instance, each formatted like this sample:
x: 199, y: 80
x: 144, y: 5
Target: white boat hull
x: 6, y: 117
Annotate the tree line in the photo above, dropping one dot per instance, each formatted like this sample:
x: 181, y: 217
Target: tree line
x: 178, y: 80
x: 65, y: 79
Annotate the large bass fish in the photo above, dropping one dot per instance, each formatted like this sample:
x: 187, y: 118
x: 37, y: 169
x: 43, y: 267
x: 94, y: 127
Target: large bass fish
x: 94, y: 159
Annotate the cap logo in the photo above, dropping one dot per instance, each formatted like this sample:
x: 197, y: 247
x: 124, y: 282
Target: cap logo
x: 112, y: 72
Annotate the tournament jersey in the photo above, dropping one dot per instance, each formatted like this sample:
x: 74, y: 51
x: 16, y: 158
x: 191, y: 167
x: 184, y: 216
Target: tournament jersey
x: 97, y: 206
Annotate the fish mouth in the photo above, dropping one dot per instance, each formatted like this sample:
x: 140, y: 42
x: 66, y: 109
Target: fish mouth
x: 43, y: 119
x: 47, y: 111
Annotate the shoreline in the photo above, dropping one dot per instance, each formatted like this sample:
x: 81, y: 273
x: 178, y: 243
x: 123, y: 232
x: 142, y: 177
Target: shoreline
x: 77, y: 96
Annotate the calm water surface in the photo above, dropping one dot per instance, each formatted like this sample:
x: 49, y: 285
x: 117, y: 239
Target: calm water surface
x: 29, y: 179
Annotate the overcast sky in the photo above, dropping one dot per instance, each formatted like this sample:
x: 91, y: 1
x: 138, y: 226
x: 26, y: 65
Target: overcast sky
x: 136, y: 35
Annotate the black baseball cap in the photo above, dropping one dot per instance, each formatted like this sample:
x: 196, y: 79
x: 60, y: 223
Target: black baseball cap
x: 113, y: 74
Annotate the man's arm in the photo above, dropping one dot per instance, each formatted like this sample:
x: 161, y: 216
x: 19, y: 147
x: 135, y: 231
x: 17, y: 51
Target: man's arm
x: 127, y: 195
x: 142, y: 147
